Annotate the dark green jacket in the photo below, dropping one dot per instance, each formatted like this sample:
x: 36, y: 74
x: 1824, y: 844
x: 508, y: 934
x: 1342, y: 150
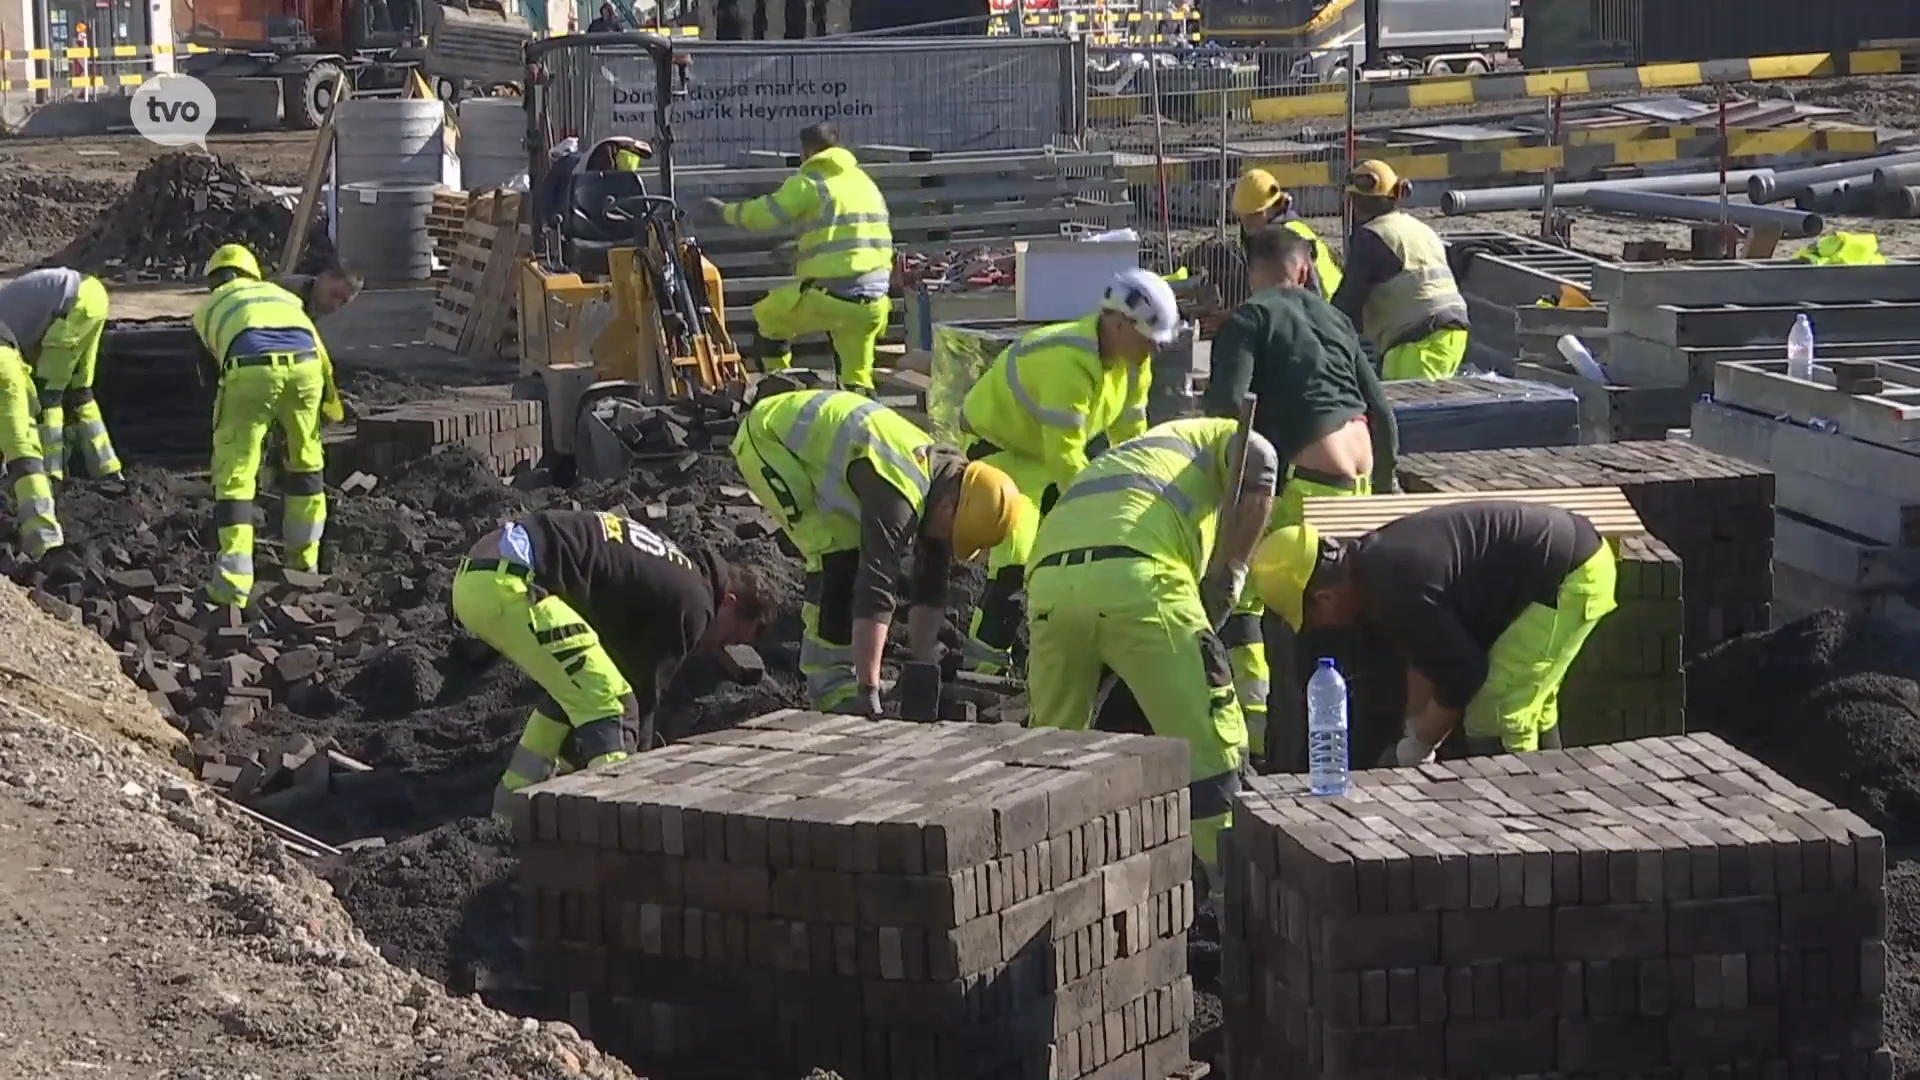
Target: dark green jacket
x: 1303, y: 360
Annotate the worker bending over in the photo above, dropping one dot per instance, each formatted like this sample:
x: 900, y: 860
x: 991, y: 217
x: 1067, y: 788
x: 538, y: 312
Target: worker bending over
x: 26, y: 471
x: 1129, y: 577
x: 1260, y: 202
x: 858, y: 489
x: 1322, y: 408
x: 845, y: 259
x: 599, y: 611
x: 1488, y: 602
x: 272, y: 368
x: 58, y: 317
x: 1398, y: 287
x: 1034, y: 412
x: 323, y: 293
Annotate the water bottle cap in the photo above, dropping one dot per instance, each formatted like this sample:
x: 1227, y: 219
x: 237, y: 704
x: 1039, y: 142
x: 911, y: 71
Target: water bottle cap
x: 1326, y: 661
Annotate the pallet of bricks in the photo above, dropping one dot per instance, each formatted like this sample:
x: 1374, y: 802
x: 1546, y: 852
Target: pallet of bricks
x: 485, y: 420
x: 887, y: 900
x: 1667, y: 907
x: 936, y: 202
x: 1627, y: 681
x: 474, y: 313
x: 1712, y: 511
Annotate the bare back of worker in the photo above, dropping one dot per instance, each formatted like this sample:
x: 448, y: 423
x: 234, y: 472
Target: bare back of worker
x: 1346, y: 451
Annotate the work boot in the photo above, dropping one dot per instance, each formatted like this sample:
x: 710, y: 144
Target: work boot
x: 62, y: 566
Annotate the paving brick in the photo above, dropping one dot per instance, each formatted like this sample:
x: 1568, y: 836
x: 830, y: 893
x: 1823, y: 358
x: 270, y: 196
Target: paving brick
x: 1662, y: 907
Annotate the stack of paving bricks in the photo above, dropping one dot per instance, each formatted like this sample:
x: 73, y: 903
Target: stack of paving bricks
x: 879, y: 898
x: 1667, y: 908
x: 1628, y: 681
x: 1714, y: 511
x: 504, y: 431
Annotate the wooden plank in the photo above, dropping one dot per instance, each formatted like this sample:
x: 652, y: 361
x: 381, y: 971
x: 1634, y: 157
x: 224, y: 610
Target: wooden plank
x: 1889, y: 417
x: 1344, y: 518
x: 1891, y: 474
x: 1844, y: 560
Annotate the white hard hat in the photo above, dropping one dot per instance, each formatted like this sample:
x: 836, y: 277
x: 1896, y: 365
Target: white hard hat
x: 1147, y: 299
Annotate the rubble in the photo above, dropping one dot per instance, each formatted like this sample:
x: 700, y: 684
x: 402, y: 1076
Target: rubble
x: 179, y: 209
x: 44, y: 208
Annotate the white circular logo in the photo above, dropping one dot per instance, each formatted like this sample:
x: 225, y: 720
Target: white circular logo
x: 173, y: 110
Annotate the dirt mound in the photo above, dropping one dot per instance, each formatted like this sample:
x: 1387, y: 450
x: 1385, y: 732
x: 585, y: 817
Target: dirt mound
x: 41, y: 209
x: 1833, y: 702
x: 178, y: 210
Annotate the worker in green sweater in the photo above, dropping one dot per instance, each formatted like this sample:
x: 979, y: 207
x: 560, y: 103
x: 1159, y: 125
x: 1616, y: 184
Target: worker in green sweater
x: 1321, y: 406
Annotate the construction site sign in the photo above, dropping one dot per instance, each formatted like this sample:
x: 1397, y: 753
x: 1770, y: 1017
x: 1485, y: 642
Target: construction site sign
x: 941, y: 95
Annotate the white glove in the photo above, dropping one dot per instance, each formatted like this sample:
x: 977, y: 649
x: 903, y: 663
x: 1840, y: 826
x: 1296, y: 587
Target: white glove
x: 1220, y: 593
x: 1410, y: 751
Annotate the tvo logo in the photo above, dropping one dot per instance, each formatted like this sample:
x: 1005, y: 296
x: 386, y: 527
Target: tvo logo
x: 173, y: 110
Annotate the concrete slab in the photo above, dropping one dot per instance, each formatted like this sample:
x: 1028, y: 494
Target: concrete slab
x: 1729, y: 325
x: 1755, y: 282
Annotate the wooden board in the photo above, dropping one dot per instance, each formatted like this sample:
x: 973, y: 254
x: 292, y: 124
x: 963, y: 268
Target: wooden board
x: 1348, y: 517
x: 1887, y: 416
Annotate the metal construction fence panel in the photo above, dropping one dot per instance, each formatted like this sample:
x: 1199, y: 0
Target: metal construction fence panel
x: 945, y: 95
x: 1189, y: 122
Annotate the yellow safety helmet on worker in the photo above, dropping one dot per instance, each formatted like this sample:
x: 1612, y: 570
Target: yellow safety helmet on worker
x: 1283, y: 568
x: 236, y: 260
x: 1260, y: 202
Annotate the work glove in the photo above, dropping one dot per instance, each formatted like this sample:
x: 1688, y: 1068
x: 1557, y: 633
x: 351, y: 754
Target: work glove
x: 1220, y: 591
x: 866, y: 702
x: 1408, y: 753
x: 712, y: 209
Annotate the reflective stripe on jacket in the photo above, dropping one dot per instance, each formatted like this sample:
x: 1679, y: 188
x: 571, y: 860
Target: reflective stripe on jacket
x: 1325, y: 270
x: 246, y: 304
x: 1399, y: 310
x: 809, y: 438
x: 1158, y: 494
x: 1049, y: 393
x: 844, y: 235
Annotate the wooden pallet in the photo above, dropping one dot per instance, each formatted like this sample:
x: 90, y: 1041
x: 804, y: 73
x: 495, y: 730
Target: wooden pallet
x: 1348, y: 517
x: 477, y: 295
x: 1874, y: 401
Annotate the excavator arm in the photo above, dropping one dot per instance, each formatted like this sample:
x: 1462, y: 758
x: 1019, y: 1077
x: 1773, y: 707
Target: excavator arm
x: 475, y: 39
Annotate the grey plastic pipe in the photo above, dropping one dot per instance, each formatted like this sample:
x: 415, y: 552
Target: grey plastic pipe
x: 1796, y: 223
x: 1533, y: 196
x: 1904, y: 202
x: 1896, y: 178
x: 1776, y: 186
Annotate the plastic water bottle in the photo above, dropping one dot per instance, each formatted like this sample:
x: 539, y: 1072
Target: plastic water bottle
x: 1327, y: 730
x: 1581, y: 358
x: 1800, y: 349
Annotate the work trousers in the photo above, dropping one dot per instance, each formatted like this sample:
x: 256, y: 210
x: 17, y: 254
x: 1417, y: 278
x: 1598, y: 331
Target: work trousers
x: 587, y: 714
x: 1142, y: 619
x: 1519, y: 704
x: 994, y: 635
x: 853, y: 326
x: 69, y: 359
x: 257, y: 392
x: 1436, y: 356
x: 25, y: 469
x: 1255, y: 655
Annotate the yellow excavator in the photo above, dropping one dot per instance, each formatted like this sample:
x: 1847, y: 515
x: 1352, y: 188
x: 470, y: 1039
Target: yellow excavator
x: 615, y: 299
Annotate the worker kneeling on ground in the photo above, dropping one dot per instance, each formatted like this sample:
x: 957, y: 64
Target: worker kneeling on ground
x: 1322, y: 408
x: 599, y: 610
x: 1129, y: 577
x: 273, y: 368
x: 1034, y: 411
x: 845, y: 259
x: 1398, y: 287
x: 858, y: 488
x: 20, y: 448
x: 1261, y: 203
x: 1488, y: 602
x: 58, y: 317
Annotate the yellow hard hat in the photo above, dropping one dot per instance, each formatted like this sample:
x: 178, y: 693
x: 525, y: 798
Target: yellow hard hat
x: 1377, y: 178
x: 1257, y: 191
x: 1282, y: 568
x: 233, y: 257
x: 989, y: 507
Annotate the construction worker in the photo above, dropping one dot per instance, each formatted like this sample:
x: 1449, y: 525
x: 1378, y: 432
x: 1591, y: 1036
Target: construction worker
x: 845, y: 259
x: 858, y: 488
x: 1259, y: 202
x: 1488, y: 601
x: 58, y: 317
x: 1843, y: 249
x: 273, y: 368
x: 26, y: 471
x: 1036, y: 409
x: 1398, y: 288
x: 323, y: 293
x: 1129, y: 577
x: 1321, y: 406
x: 598, y: 611
x: 607, y: 23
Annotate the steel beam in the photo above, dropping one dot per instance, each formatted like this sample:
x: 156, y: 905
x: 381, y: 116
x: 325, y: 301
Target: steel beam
x: 1727, y: 325
x: 1755, y: 281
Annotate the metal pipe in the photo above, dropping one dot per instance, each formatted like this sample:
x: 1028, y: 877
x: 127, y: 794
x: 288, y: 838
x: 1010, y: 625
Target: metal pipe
x: 1897, y: 178
x: 1795, y: 223
x: 1777, y: 186
x: 1824, y: 197
x: 1530, y: 196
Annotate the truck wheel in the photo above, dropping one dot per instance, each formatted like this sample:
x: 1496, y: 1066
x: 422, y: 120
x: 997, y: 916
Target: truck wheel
x: 309, y: 96
x: 1476, y: 67
x: 446, y: 88
x: 1437, y: 66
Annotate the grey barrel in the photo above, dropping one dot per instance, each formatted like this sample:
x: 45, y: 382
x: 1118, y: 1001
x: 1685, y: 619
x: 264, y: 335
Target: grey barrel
x: 399, y: 140
x: 383, y: 230
x: 493, y: 135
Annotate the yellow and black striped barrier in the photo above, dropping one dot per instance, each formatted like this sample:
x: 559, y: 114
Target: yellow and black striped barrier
x: 94, y: 79
x: 1455, y: 90
x: 1296, y: 172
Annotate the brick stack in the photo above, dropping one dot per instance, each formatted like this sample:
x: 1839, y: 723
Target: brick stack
x: 504, y: 431
x: 1662, y: 908
x: 1628, y: 682
x: 1715, y: 512
x: 879, y: 898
